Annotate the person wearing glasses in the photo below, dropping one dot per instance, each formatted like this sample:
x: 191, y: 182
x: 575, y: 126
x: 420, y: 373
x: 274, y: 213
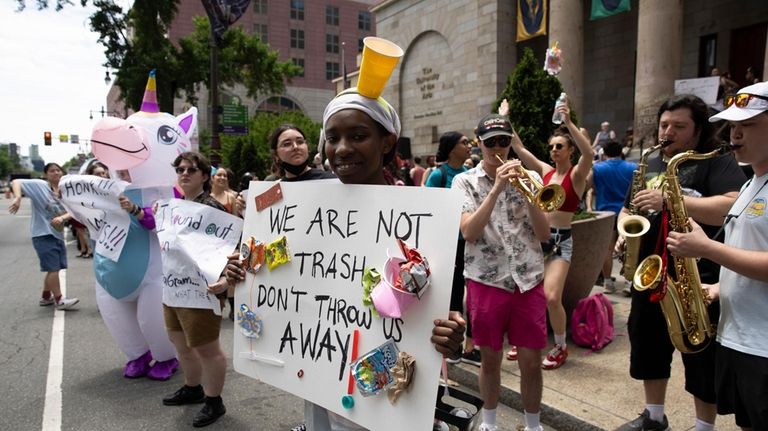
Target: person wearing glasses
x: 290, y: 155
x: 563, y: 146
x: 710, y: 187
x: 504, y: 269
x: 741, y: 366
x: 195, y: 331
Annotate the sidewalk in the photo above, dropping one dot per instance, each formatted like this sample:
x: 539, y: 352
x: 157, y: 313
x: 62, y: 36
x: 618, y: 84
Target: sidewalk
x: 593, y: 391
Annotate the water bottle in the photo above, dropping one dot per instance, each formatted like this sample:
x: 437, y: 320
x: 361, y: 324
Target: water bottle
x: 557, y: 117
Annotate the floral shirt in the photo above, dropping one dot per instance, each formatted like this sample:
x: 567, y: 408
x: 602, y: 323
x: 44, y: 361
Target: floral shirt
x: 508, y: 254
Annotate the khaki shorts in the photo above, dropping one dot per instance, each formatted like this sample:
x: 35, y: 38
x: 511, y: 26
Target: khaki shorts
x: 199, y: 325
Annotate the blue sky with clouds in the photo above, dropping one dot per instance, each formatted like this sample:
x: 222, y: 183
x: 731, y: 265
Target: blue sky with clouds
x: 51, y: 76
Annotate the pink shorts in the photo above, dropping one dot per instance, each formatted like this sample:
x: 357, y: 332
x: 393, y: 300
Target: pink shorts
x: 494, y: 311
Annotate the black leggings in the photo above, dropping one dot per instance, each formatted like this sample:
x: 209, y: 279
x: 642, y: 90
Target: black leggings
x: 458, y: 287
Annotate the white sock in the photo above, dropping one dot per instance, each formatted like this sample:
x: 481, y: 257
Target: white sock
x: 560, y: 339
x: 703, y: 426
x: 532, y: 420
x: 489, y: 416
x: 656, y: 411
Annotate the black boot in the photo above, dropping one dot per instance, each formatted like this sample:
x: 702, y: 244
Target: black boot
x: 210, y: 413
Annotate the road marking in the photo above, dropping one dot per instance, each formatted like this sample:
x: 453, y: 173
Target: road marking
x: 52, y: 410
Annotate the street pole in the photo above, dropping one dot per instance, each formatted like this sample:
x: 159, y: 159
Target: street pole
x: 215, y: 144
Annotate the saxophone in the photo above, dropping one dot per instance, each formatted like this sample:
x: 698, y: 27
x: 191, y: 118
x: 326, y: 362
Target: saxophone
x: 635, y: 225
x: 684, y: 305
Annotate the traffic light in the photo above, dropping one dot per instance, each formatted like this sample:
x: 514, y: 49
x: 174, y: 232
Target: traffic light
x: 47, y: 138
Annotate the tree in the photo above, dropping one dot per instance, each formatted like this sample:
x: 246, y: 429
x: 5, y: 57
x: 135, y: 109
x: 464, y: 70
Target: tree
x: 242, y: 58
x: 531, y: 94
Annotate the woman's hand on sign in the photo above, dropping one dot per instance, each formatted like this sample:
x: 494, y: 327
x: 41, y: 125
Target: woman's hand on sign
x: 241, y: 204
x: 234, y: 271
x: 220, y: 286
x: 448, y: 334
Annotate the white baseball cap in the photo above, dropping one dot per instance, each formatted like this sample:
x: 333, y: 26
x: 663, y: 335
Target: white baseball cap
x: 755, y: 105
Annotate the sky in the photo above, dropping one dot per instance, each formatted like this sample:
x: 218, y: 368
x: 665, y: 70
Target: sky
x: 51, y: 77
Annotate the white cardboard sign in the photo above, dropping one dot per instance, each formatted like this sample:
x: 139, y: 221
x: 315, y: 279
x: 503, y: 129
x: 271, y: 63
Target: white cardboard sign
x: 93, y: 201
x: 311, y: 306
x: 195, y: 240
x: 704, y: 88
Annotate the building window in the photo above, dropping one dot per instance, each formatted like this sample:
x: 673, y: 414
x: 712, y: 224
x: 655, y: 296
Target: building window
x: 331, y: 15
x: 364, y: 20
x: 360, y: 45
x: 297, y: 38
x: 260, y: 7
x: 297, y: 9
x: 332, y: 43
x: 278, y: 104
x: 260, y: 30
x: 299, y: 62
x: 331, y: 70
x: 707, y: 54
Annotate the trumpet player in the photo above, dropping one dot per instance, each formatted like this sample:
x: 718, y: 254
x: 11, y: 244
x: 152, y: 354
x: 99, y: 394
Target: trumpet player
x: 741, y: 366
x: 563, y: 146
x: 710, y: 187
x: 504, y: 270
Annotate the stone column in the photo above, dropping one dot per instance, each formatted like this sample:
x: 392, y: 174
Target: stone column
x: 659, y: 49
x: 566, y: 26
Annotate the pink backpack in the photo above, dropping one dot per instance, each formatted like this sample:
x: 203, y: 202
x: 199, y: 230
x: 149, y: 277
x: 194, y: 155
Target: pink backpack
x: 592, y: 322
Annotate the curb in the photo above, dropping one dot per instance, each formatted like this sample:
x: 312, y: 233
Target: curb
x: 551, y: 416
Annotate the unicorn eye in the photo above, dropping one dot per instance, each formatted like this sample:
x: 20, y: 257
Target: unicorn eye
x: 166, y: 135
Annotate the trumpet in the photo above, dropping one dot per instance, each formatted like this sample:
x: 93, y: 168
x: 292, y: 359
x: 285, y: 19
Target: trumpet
x: 548, y: 198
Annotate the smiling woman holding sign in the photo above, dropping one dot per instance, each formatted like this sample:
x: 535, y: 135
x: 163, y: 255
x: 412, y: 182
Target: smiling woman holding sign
x: 360, y: 131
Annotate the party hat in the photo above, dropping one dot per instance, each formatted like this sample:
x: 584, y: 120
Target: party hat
x: 149, y: 103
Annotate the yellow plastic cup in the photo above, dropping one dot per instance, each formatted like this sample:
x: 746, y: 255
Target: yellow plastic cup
x: 380, y: 57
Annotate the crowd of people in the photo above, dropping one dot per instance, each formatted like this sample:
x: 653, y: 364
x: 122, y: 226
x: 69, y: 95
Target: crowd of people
x: 512, y: 256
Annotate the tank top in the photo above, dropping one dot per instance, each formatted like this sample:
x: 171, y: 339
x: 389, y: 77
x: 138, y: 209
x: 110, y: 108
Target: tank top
x: 571, y: 198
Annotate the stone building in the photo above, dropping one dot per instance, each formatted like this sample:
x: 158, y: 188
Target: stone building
x: 458, y: 54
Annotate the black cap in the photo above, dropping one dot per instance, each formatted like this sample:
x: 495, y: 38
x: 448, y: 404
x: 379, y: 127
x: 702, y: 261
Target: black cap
x: 494, y: 125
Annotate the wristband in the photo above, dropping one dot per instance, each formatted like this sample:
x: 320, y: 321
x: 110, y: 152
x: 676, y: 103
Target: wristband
x: 136, y: 210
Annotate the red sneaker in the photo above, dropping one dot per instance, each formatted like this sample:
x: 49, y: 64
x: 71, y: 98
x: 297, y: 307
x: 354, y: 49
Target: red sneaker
x: 555, y: 358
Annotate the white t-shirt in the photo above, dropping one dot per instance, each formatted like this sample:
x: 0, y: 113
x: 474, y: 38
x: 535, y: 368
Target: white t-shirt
x: 744, y: 301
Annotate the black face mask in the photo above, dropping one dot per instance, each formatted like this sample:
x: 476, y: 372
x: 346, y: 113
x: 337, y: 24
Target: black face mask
x: 294, y: 169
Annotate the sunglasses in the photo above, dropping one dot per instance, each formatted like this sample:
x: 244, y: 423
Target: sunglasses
x: 501, y: 141
x: 190, y: 170
x: 741, y: 100
x: 557, y: 146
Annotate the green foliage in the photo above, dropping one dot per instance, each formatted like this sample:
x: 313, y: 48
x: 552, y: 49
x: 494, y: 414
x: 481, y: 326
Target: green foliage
x: 531, y: 94
x: 251, y: 153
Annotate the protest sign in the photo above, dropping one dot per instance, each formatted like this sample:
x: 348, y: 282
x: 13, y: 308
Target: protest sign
x: 311, y: 308
x: 93, y: 201
x: 704, y: 88
x: 195, y: 240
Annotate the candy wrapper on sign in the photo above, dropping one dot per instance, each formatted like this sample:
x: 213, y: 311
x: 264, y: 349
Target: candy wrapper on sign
x: 403, y: 372
x: 252, y: 253
x: 414, y: 272
x: 277, y: 253
x: 249, y: 322
x: 373, y: 371
x: 371, y: 278
x: 552, y: 61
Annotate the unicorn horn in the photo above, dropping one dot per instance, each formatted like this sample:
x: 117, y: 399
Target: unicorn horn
x: 149, y: 104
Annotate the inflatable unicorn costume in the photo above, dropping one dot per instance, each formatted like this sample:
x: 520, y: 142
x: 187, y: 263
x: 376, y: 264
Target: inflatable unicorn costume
x: 129, y: 290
